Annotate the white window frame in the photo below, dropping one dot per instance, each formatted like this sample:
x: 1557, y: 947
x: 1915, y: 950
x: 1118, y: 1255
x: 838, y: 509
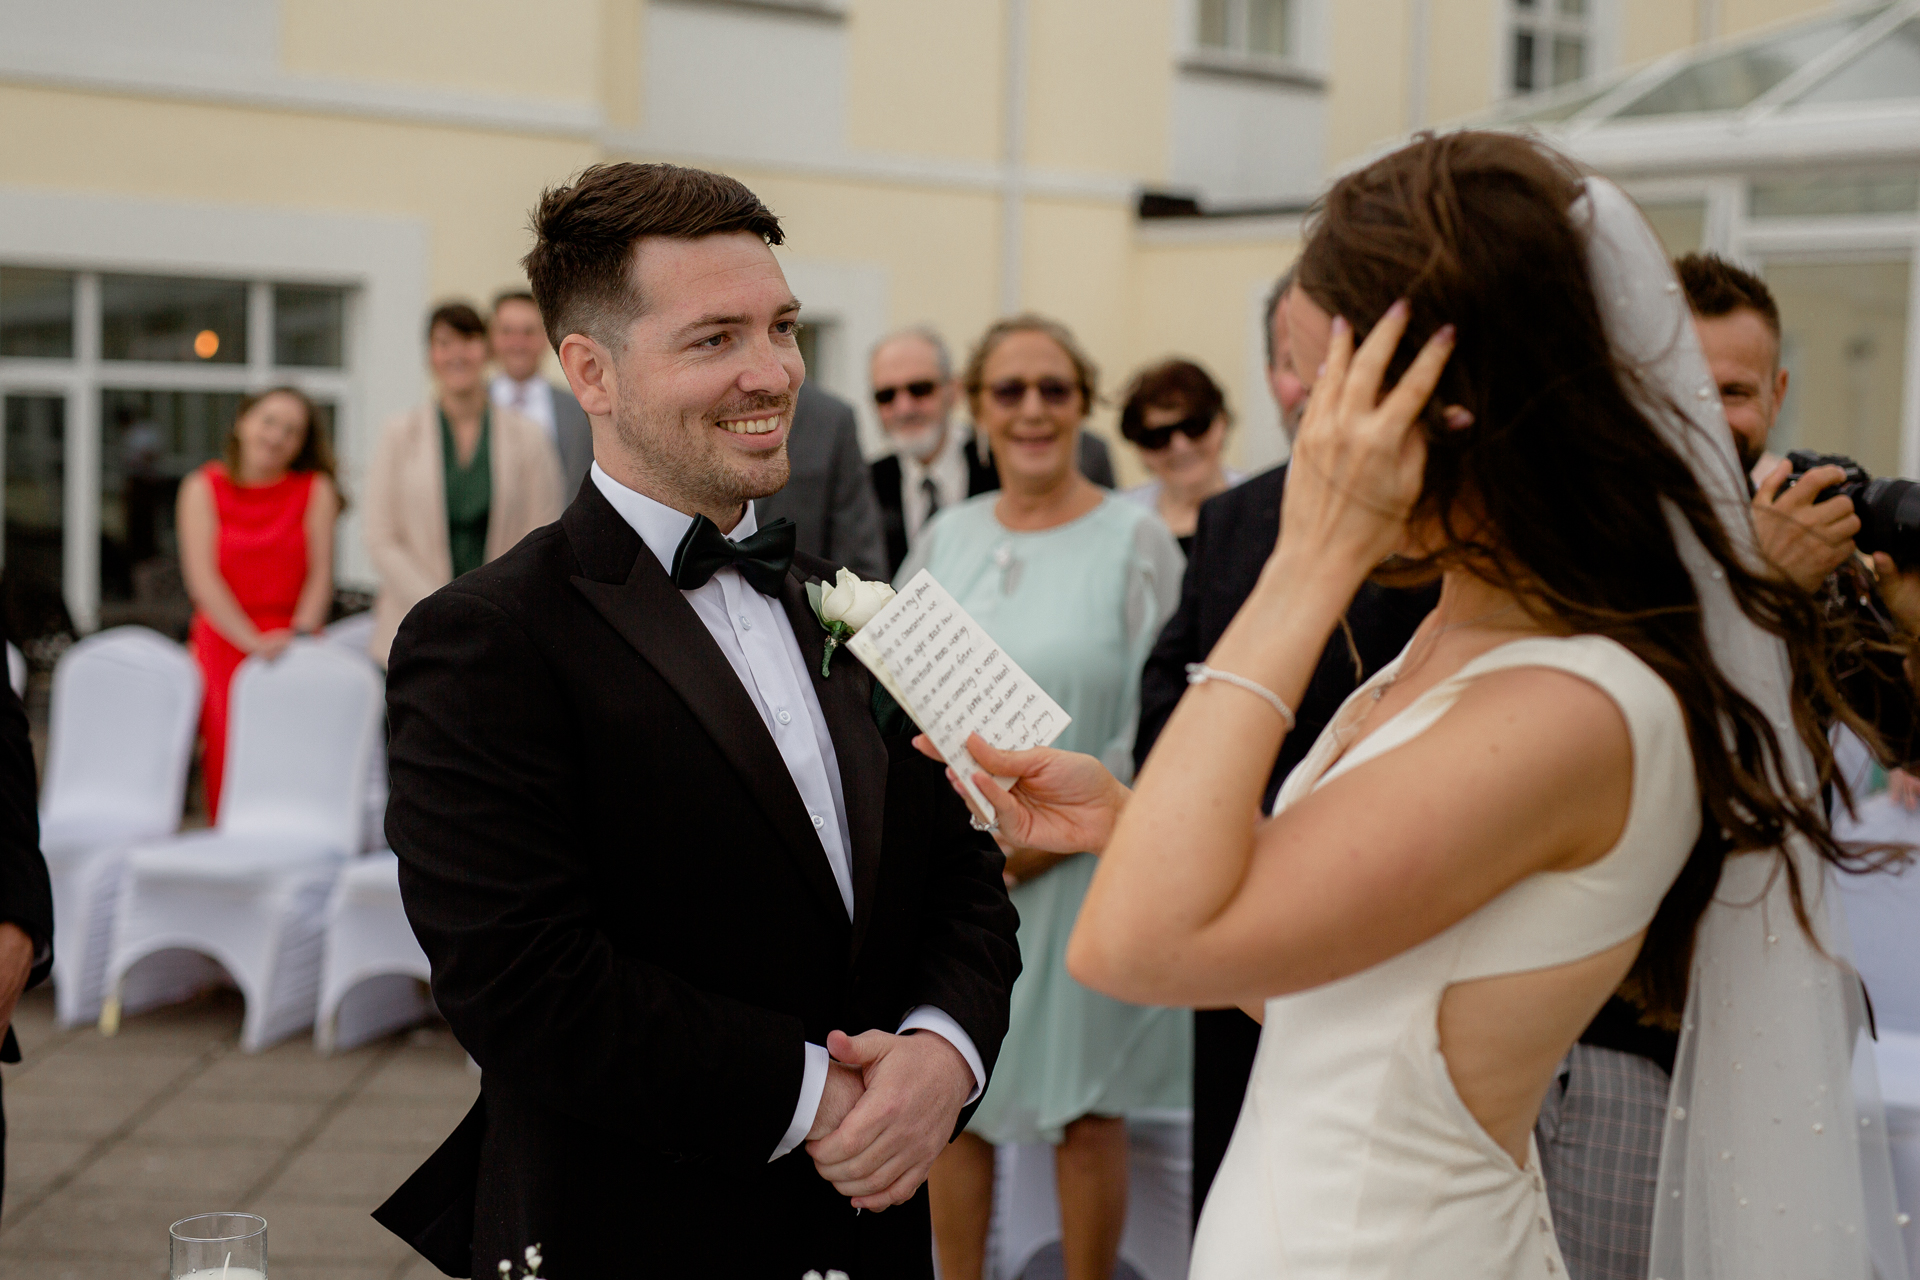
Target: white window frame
x: 1547, y: 21
x: 1300, y: 65
x: 82, y: 378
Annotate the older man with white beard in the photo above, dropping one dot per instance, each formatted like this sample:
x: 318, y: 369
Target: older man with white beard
x: 914, y: 392
x: 935, y: 463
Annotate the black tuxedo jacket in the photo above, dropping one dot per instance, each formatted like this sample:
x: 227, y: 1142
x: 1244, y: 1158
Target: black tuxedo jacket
x: 634, y: 929
x: 1231, y: 544
x: 26, y: 893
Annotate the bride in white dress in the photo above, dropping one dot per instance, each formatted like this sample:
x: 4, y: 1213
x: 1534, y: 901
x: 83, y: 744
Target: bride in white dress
x: 1505, y: 826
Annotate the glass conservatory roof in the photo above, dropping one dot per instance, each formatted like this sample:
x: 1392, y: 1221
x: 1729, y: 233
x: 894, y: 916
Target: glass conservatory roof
x: 1866, y: 57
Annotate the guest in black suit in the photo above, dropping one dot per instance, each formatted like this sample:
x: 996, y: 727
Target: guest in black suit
x: 935, y: 462
x: 662, y: 863
x: 26, y: 895
x: 1235, y: 536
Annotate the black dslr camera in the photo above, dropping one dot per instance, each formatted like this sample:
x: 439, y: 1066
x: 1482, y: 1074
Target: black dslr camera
x: 1889, y: 510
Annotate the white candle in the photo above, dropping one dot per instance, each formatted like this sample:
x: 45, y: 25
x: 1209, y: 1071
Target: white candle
x: 226, y: 1273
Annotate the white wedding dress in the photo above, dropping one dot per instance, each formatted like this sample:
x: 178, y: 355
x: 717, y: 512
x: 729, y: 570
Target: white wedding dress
x: 1354, y: 1157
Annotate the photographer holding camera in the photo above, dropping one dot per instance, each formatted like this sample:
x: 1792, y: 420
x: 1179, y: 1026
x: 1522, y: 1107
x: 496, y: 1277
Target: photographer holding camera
x: 1814, y: 516
x: 1808, y: 530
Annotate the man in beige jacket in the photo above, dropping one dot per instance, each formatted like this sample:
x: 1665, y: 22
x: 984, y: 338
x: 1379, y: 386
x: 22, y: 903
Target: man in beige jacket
x: 503, y: 481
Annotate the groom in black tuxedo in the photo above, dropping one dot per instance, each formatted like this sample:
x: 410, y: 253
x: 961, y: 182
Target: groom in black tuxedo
x: 732, y: 961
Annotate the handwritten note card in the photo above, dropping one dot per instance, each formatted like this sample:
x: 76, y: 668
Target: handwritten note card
x: 953, y: 680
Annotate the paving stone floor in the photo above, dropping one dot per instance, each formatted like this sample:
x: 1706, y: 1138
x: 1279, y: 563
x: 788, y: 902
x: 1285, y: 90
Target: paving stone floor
x: 111, y: 1139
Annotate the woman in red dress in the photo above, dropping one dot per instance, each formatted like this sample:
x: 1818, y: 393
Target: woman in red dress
x: 256, y: 550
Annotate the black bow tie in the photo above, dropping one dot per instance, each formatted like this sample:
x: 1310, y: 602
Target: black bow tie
x: 762, y: 559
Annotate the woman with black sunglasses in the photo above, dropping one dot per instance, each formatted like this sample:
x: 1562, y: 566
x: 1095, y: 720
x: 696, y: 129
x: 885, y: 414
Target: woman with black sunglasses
x: 1073, y: 582
x: 1177, y: 418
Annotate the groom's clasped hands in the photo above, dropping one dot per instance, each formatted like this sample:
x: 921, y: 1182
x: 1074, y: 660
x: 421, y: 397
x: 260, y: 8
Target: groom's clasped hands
x: 888, y: 1109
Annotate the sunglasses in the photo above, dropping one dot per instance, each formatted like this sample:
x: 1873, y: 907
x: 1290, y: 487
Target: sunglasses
x: 1012, y: 393
x: 1154, y: 439
x: 918, y: 390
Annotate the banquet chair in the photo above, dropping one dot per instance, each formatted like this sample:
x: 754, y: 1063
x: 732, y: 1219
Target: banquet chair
x: 372, y: 970
x: 251, y: 893
x: 1159, y: 1178
x: 354, y: 633
x: 125, y: 703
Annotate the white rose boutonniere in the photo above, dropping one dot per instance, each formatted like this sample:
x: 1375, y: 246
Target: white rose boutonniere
x: 845, y: 607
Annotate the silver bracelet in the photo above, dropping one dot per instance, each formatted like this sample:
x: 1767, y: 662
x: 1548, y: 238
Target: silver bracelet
x: 1200, y: 673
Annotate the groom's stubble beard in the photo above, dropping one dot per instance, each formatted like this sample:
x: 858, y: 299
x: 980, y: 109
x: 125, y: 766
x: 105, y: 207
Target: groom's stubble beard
x: 685, y: 457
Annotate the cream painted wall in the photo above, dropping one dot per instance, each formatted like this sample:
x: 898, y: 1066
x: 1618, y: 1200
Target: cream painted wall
x: 938, y: 246
x: 1737, y: 17
x: 1079, y: 261
x: 1100, y: 96
x: 471, y: 188
x: 1463, y: 56
x: 622, y: 31
x: 502, y: 47
x: 924, y: 78
x: 1367, y: 76
x: 1652, y: 28
x: 1201, y: 300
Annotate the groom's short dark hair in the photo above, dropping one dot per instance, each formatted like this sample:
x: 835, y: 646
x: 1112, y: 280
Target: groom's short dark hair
x: 584, y: 234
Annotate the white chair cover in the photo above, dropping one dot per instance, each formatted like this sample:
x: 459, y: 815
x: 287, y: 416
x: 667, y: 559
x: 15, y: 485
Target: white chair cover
x: 1159, y: 1230
x: 16, y: 670
x: 1883, y: 914
x: 125, y: 703
x: 372, y: 974
x: 252, y: 893
x: 354, y: 633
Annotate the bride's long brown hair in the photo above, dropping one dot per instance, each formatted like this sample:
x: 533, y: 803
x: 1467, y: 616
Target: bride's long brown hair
x: 1567, y: 482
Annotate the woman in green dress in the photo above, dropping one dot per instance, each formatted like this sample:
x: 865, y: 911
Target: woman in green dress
x: 1073, y: 582
x: 456, y: 481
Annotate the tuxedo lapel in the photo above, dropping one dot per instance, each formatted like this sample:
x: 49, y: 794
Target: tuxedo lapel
x: 656, y: 620
x: 846, y: 700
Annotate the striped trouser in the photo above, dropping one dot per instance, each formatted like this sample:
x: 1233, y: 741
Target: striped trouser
x: 1599, y: 1137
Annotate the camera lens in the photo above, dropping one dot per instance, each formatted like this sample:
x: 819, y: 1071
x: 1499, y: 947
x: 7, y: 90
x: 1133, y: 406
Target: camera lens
x: 1889, y: 513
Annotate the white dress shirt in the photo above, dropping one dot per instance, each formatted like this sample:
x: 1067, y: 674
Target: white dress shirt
x: 948, y: 471
x: 534, y: 397
x: 756, y: 636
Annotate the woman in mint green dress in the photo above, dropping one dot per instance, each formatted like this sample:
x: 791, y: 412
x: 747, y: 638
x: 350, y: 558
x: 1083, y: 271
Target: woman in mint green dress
x: 1073, y: 583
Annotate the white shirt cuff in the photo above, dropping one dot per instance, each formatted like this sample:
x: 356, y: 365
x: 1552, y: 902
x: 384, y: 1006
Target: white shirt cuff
x: 812, y: 1085
x: 924, y: 1017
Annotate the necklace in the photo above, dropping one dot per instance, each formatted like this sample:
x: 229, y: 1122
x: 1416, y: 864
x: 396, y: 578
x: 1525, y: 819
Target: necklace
x: 1380, y: 690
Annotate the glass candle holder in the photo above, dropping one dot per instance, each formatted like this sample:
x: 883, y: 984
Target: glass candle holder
x: 218, y: 1246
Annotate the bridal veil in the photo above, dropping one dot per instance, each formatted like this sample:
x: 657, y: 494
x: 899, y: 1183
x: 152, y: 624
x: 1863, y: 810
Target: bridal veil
x: 1775, y: 1163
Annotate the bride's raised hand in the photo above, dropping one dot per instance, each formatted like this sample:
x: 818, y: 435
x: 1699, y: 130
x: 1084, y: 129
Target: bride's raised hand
x: 1060, y: 802
x: 1359, y: 458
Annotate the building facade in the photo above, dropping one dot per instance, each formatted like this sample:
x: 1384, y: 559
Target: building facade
x: 201, y: 197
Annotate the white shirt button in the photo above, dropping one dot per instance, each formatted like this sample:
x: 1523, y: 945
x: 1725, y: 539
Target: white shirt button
x: 784, y: 717
x: 818, y: 821
x: 746, y: 624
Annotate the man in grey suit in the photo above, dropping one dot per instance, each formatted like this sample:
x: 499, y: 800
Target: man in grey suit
x: 519, y: 342
x: 828, y: 494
